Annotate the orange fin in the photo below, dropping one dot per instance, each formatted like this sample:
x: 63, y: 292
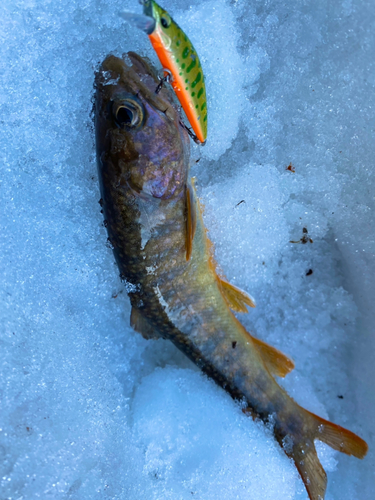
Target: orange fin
x: 191, y: 220
x: 305, y: 456
x: 277, y: 362
x: 237, y: 299
x: 142, y: 326
x: 340, y: 439
x: 312, y: 473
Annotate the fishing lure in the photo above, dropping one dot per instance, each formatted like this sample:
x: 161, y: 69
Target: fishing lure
x: 178, y: 56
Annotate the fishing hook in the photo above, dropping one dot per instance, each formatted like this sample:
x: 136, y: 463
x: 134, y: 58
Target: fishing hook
x: 192, y: 135
x: 163, y: 79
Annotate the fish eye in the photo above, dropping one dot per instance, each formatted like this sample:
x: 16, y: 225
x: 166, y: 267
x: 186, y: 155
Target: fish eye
x: 165, y: 20
x: 128, y: 113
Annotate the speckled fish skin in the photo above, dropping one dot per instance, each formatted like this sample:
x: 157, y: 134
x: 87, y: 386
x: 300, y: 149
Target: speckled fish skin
x: 143, y: 170
x: 177, y: 53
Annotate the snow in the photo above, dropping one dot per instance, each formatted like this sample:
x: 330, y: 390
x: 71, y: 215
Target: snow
x: 88, y: 408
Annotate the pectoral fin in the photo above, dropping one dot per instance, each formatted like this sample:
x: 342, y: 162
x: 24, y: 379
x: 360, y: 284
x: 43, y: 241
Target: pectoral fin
x: 191, y: 220
x: 237, y: 299
x: 142, y: 325
x: 277, y: 362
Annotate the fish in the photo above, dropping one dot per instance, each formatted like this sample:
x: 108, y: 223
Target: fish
x: 155, y: 226
x: 177, y: 55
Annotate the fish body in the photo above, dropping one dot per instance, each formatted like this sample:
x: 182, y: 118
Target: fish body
x: 152, y: 212
x: 177, y: 54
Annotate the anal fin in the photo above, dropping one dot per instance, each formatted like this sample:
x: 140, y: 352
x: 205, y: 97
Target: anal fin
x: 236, y: 298
x: 277, y: 362
x: 142, y: 325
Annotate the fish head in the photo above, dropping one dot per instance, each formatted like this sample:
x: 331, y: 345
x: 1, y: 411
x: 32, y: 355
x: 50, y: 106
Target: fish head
x: 140, y: 141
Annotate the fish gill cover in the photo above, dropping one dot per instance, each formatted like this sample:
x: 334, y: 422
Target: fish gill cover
x: 88, y: 408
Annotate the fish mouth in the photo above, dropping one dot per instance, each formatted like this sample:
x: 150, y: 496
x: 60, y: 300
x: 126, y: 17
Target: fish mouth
x: 141, y: 65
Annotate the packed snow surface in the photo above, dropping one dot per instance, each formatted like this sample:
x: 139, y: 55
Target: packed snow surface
x: 91, y: 410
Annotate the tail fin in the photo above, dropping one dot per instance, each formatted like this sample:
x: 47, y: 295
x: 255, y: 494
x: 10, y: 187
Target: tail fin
x: 310, y: 469
x: 305, y: 456
x: 339, y: 439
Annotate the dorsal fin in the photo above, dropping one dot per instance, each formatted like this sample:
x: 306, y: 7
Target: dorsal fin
x: 191, y: 220
x: 142, y: 326
x: 277, y: 362
x: 237, y: 299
